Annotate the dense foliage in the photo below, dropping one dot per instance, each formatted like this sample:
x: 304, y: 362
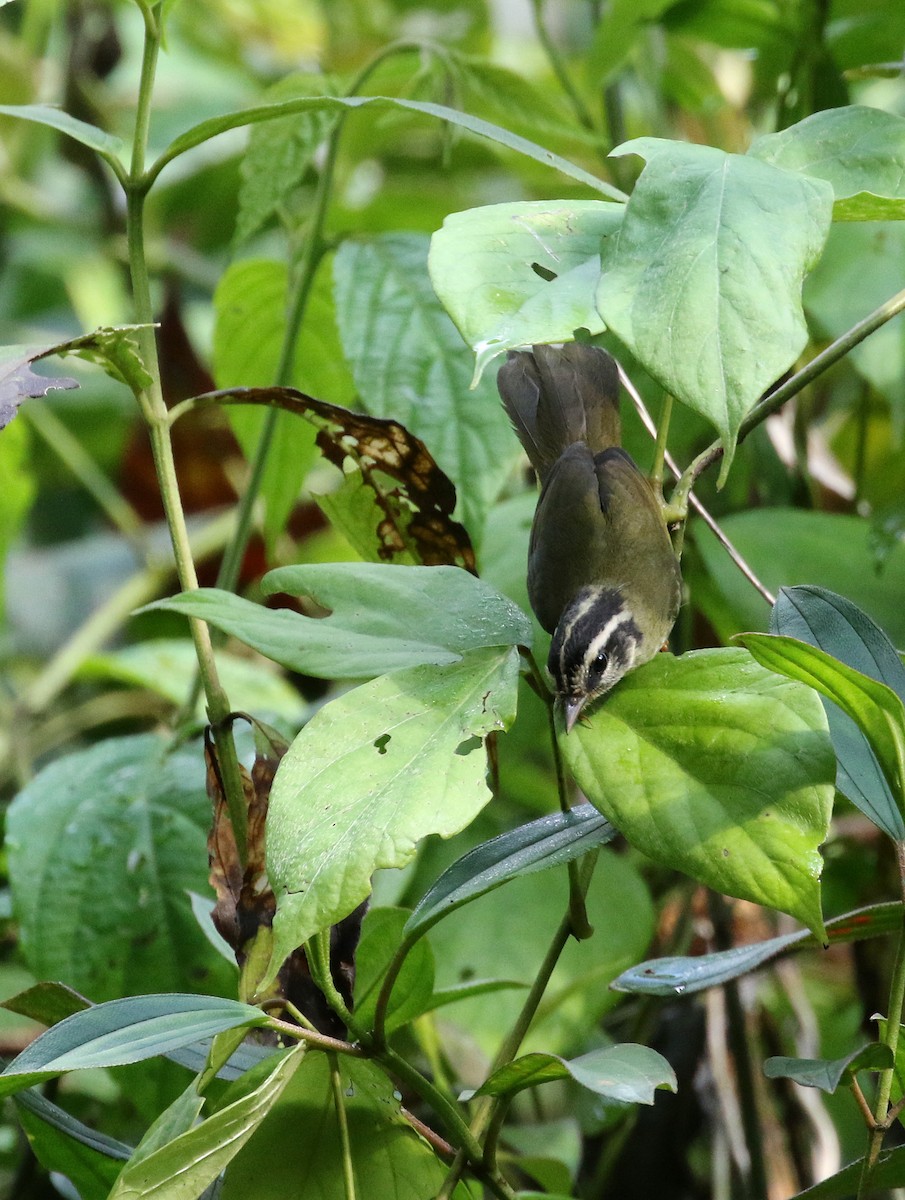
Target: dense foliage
x: 300, y: 880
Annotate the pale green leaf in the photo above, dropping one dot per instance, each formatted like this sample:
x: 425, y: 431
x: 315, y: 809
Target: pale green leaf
x: 827, y: 1074
x: 106, y: 144
x: 373, y: 773
x: 628, y: 1073
x: 711, y: 765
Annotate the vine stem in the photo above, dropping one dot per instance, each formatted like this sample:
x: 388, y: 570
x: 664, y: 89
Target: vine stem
x: 151, y: 402
x: 342, y: 1123
x: 882, y: 1114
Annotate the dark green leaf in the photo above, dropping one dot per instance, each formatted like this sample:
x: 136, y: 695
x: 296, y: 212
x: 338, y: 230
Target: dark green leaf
x: 383, y: 617
x: 103, y: 846
x: 373, y: 773
x: 381, y: 936
x: 825, y: 1074
x: 840, y: 628
x: 46, y: 1002
x: 124, y: 1031
x: 408, y: 363
x: 860, y: 151
x: 710, y: 766
x: 60, y: 1143
x: 888, y: 1173
x: 876, y: 709
x: 703, y: 282
x: 546, y: 842
x: 680, y: 976
x: 628, y: 1073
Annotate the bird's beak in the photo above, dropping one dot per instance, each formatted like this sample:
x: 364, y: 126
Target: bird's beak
x: 572, y: 711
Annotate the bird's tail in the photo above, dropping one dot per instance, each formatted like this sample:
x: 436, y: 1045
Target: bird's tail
x: 557, y: 395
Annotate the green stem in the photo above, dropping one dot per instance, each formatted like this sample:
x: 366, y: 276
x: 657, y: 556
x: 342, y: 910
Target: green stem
x: 777, y: 398
x: 342, y: 1124
x: 386, y: 989
x: 563, y: 77
x: 890, y: 1037
x: 317, y: 951
x: 656, y: 471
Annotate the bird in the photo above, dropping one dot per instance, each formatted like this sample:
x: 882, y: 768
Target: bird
x: 603, y: 578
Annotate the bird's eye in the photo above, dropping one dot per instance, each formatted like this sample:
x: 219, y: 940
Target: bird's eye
x: 600, y: 662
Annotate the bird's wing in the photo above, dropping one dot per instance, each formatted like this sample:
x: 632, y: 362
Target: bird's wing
x: 579, y: 399
x: 519, y: 387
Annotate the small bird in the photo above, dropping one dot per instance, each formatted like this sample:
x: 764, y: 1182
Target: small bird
x: 602, y: 574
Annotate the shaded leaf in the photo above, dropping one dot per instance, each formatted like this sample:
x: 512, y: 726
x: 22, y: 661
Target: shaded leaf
x: 18, y: 382
x: 408, y: 363
x: 383, y: 618
x: 511, y: 275
x: 860, y: 151
x: 60, y: 1143
x: 413, y: 990
x: 374, y: 772
x: 825, y: 1074
x: 709, y: 765
x: 182, y: 1168
x: 628, y: 1073
x: 678, y: 976
x: 703, y: 282
x: 103, y: 846
x: 546, y: 842
x: 46, y: 1002
x: 840, y: 628
x: 876, y: 709
x: 124, y: 1031
x: 419, y: 521
x: 889, y: 1172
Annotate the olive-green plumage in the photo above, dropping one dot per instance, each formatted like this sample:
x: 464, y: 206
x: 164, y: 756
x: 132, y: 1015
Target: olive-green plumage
x: 602, y: 575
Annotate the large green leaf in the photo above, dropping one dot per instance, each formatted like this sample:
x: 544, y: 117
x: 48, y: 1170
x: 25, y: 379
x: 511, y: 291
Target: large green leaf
x: 383, y: 618
x: 711, y: 765
x: 513, y: 274
x: 125, y: 1031
x: 373, y: 773
x: 301, y: 1141
x: 860, y: 151
x: 876, y: 709
x: 103, y: 846
x: 408, y: 363
x: 703, y: 281
x: 182, y: 1168
x: 547, y: 842
x: 680, y: 975
x: 199, y: 134
x: 250, y: 325
x: 839, y: 627
x: 628, y: 1073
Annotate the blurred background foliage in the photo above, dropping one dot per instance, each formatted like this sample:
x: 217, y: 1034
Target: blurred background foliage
x: 816, y: 496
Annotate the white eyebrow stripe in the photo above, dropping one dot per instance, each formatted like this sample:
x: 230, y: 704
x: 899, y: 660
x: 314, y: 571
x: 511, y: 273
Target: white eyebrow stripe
x: 600, y: 639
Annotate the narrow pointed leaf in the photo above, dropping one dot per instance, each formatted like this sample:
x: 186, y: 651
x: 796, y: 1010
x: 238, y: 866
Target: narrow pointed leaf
x: 375, y: 771
x: 629, y: 1073
x: 546, y: 842
x: 710, y: 766
x: 876, y: 709
x: 827, y: 1074
x: 106, y: 144
x: 125, y: 1031
x: 703, y: 281
x: 833, y: 624
x: 685, y: 975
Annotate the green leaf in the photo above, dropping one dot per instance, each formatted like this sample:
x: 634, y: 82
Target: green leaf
x: 825, y: 1074
x: 381, y: 936
x: 889, y: 1172
x: 711, y: 766
x: 703, y: 282
x: 373, y: 773
x: 875, y: 708
x: 383, y: 617
x: 279, y: 154
x: 60, y: 1143
x: 840, y: 628
x: 513, y: 274
x: 19, y: 488
x: 182, y: 1168
x: 681, y: 976
x: 250, y: 324
x: 108, y: 146
x: 124, y: 1031
x: 300, y: 1141
x: 475, y: 987
x: 408, y: 364
x: 622, y: 24
x: 628, y: 1073
x: 103, y: 845
x: 168, y: 666
x: 206, y: 130
x: 860, y: 151
x: 546, y: 842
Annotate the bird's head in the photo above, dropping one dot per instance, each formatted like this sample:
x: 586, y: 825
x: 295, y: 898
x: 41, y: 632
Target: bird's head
x: 595, y: 643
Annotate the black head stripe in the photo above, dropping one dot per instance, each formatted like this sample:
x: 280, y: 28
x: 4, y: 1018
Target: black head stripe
x: 592, y: 623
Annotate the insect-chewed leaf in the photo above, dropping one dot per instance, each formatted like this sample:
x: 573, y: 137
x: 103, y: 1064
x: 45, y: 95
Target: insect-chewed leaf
x: 418, y: 523
x: 18, y: 382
